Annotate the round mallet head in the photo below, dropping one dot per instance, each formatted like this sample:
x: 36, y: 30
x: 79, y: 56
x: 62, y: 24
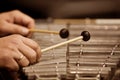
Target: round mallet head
x: 64, y: 33
x: 86, y: 35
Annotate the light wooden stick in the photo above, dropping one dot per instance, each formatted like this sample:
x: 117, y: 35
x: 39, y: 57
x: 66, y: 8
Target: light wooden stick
x: 62, y: 43
x: 43, y: 31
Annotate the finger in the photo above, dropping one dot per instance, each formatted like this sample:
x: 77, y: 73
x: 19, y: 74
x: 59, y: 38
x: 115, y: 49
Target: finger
x: 14, y: 28
x: 5, y: 16
x: 7, y: 60
x: 33, y: 45
x: 28, y: 52
x: 21, y: 59
x: 11, y: 64
x: 22, y: 19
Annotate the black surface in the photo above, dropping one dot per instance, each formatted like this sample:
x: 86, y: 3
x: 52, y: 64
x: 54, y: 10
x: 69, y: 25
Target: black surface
x: 64, y: 8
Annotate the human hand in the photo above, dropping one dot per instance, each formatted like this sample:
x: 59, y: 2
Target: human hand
x: 13, y: 47
x: 15, y: 22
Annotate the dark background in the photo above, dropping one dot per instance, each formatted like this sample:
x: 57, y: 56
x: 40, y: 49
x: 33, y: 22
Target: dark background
x: 64, y: 8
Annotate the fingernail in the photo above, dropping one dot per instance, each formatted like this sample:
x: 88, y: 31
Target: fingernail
x: 25, y: 31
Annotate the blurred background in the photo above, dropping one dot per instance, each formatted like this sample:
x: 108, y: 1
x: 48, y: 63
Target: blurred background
x: 64, y: 8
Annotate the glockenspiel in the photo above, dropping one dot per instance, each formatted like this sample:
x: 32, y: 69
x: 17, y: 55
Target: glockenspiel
x: 96, y: 59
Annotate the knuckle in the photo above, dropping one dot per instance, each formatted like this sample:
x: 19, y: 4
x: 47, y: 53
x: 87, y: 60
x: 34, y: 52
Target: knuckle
x: 32, y: 57
x: 16, y: 35
x: 15, y: 11
x: 13, y: 42
x: 25, y: 64
x: 36, y: 46
x: 6, y: 56
x: 12, y: 47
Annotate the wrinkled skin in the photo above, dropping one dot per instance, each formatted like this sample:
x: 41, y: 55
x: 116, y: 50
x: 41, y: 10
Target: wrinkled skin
x: 14, y: 26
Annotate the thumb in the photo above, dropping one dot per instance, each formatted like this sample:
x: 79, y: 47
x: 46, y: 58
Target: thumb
x: 15, y: 29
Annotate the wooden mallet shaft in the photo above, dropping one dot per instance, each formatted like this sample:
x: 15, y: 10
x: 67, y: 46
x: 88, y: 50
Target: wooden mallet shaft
x: 85, y: 36
x: 62, y: 43
x: 43, y: 31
